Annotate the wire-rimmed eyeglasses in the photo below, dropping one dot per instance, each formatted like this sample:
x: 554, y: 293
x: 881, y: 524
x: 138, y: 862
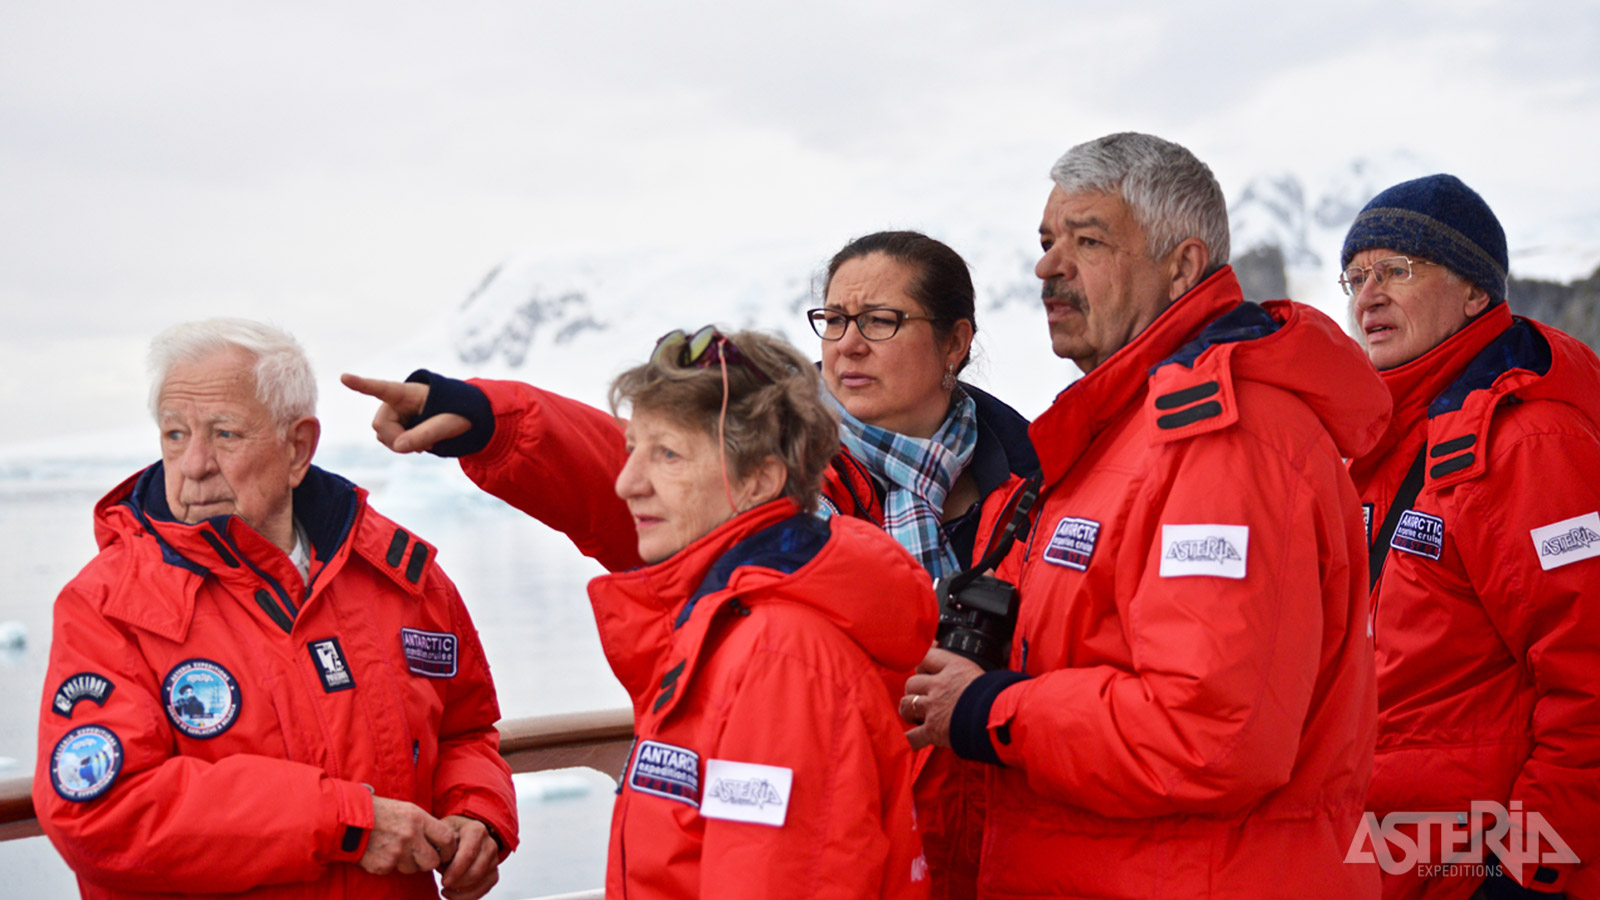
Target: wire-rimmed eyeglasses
x: 877, y: 324
x: 1390, y: 268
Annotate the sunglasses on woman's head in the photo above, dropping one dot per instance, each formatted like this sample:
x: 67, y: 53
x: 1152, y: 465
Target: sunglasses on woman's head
x: 702, y: 350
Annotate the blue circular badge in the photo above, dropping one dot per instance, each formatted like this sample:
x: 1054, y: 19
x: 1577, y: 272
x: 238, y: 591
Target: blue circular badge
x: 201, y: 698
x: 85, y: 763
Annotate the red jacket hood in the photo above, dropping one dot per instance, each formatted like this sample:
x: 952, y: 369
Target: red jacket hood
x: 1456, y: 387
x: 845, y: 569
x: 1186, y: 363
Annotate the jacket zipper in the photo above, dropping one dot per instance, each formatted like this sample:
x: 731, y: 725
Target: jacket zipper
x: 285, y: 622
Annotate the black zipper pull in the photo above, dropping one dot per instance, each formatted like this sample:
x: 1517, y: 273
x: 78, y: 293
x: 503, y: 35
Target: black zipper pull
x: 274, y: 611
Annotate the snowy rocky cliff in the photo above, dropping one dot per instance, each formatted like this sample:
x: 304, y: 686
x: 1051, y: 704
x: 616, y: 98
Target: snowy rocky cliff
x: 1287, y: 233
x: 571, y: 322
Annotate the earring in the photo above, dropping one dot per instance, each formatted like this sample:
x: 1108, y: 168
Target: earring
x: 949, y: 380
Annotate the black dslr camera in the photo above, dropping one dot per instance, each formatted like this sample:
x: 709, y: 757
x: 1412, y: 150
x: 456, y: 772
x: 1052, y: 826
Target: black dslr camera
x: 977, y: 612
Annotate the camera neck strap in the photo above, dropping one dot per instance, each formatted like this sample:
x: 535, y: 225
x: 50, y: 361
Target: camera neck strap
x: 1015, y: 526
x: 1378, y: 552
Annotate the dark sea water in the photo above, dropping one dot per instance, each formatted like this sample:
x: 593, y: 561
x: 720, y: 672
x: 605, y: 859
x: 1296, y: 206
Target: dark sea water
x: 523, y: 584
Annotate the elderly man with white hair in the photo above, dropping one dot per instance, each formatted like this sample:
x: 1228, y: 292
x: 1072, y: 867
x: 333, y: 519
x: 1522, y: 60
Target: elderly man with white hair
x: 260, y: 687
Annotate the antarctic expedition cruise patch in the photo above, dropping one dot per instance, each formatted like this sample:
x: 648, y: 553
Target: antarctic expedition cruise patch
x: 1419, y: 534
x: 1072, y: 545
x: 201, y: 698
x: 666, y: 771
x: 431, y: 654
x: 1567, y: 541
x: 85, y: 763
x: 79, y: 687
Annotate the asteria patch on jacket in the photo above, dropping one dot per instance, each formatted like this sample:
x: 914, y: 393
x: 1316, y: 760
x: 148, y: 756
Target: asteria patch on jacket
x: 746, y: 792
x: 1567, y: 541
x: 1219, y: 551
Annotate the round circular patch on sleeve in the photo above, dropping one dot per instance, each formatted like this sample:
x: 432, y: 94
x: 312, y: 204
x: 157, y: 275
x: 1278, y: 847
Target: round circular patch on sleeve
x: 201, y: 698
x: 85, y: 763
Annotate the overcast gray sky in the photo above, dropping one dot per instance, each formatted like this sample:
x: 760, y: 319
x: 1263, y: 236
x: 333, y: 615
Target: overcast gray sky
x: 348, y: 169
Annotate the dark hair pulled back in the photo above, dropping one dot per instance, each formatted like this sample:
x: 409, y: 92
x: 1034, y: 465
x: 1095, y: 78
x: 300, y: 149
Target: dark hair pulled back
x: 943, y: 284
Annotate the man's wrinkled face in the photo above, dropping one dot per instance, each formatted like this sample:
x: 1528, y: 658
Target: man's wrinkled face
x: 1398, y: 319
x: 223, y: 453
x: 1101, y: 286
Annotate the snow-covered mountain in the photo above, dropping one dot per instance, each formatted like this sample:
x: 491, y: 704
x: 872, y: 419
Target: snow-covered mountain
x: 1305, y: 221
x: 570, y: 321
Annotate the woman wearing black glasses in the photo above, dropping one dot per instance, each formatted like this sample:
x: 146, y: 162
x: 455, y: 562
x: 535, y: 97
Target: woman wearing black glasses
x: 897, y: 324
x: 921, y: 452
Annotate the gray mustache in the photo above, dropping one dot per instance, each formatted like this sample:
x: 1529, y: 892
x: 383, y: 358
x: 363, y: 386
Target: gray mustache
x: 1059, y: 290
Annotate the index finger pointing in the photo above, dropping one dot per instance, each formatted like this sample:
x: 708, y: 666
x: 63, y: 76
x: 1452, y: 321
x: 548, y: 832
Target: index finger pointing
x: 388, y: 391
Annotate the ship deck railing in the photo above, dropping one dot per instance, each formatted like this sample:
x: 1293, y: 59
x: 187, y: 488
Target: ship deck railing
x: 596, y: 740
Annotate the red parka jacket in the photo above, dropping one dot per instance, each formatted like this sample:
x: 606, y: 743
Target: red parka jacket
x: 557, y: 460
x: 1487, y: 615
x: 1191, y: 712
x: 194, y: 739
x: 767, y: 762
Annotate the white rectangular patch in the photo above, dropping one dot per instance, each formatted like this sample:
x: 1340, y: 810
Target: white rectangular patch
x: 1567, y: 541
x: 746, y: 792
x: 1419, y: 534
x: 1219, y: 551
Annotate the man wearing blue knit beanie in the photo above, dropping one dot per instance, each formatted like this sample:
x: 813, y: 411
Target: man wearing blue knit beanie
x: 1483, y: 513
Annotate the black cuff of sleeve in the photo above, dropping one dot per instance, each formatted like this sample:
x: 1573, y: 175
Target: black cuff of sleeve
x: 352, y: 839
x: 969, y: 721
x: 1501, y: 886
x: 447, y: 395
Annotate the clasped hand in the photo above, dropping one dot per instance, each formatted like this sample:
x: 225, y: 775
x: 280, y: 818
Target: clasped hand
x: 406, y: 839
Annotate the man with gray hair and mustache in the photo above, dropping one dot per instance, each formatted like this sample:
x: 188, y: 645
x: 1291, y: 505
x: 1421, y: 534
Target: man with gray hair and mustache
x: 260, y: 687
x: 1188, y: 705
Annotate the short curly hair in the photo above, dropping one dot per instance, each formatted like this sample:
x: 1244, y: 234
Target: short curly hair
x: 785, y: 418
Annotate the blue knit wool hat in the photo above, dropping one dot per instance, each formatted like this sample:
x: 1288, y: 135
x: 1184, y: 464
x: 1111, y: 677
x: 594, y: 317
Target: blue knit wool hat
x: 1441, y: 220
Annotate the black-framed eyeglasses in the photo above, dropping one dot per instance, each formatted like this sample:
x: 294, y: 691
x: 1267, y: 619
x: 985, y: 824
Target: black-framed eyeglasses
x: 876, y: 324
x: 702, y: 350
x: 1390, y: 268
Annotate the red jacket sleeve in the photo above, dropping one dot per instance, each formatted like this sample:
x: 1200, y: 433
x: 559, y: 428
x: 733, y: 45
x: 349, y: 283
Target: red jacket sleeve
x: 158, y: 825
x: 557, y: 460
x: 1549, y: 618
x: 471, y: 778
x: 1210, y: 719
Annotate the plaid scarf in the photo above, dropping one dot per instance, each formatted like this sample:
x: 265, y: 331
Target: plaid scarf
x: 919, y: 473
